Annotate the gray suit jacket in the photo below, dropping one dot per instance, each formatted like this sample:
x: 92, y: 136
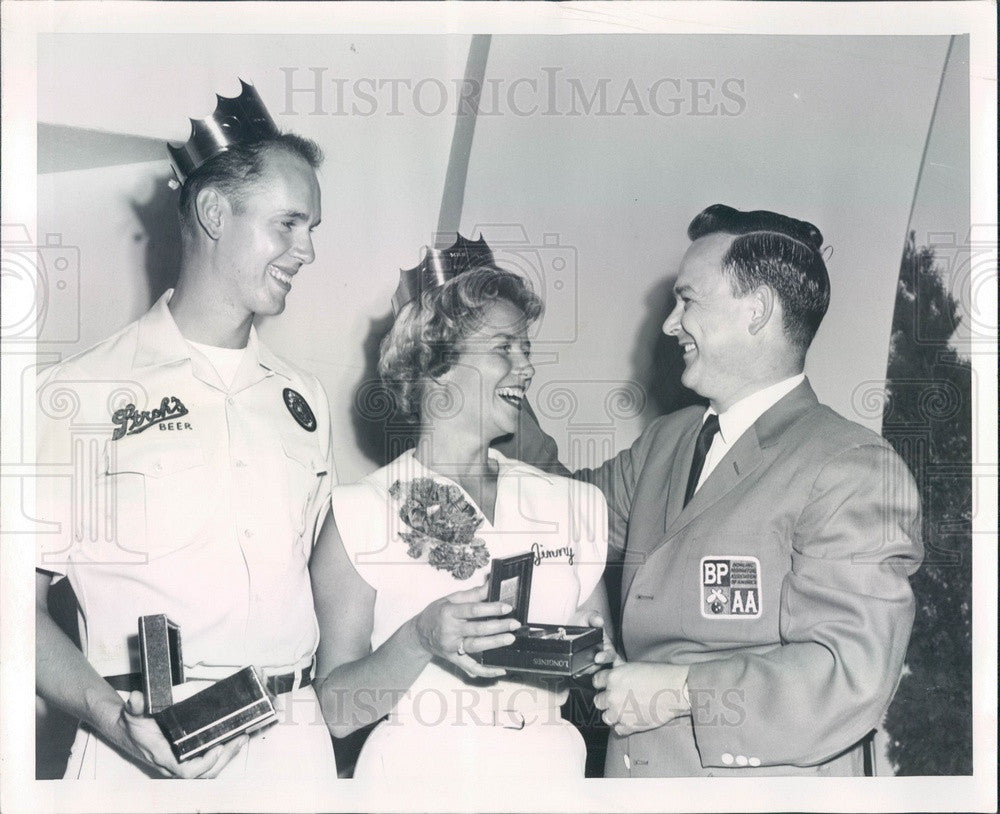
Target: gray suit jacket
x: 783, y: 584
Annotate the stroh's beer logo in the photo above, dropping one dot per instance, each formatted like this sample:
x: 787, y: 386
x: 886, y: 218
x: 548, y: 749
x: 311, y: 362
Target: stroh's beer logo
x: 129, y: 420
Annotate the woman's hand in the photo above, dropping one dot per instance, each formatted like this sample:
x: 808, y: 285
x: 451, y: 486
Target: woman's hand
x: 460, y: 623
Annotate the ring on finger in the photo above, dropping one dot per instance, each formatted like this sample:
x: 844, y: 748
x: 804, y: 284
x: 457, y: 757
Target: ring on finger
x: 461, y: 647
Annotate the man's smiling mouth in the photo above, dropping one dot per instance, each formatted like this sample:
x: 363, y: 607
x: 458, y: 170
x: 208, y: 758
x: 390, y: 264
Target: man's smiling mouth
x: 279, y: 275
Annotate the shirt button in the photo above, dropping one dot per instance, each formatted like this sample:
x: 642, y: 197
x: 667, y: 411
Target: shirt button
x: 628, y: 763
x: 230, y: 400
x: 248, y: 532
x: 727, y: 759
x: 157, y: 467
x: 755, y: 761
x: 240, y: 464
x: 741, y: 760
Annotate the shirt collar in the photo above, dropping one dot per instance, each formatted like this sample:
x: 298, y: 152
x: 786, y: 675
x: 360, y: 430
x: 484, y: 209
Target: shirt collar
x: 511, y: 465
x: 740, y: 417
x: 160, y: 341
x: 412, y: 467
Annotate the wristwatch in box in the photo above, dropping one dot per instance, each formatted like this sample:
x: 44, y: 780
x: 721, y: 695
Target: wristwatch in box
x: 547, y: 649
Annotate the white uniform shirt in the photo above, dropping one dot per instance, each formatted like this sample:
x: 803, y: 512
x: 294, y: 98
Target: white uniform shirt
x: 186, y: 497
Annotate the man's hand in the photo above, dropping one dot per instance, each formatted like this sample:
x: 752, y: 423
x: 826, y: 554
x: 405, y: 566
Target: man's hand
x: 592, y: 618
x: 637, y: 696
x: 141, y: 737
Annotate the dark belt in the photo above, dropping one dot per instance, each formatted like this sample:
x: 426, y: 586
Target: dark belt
x: 276, y: 685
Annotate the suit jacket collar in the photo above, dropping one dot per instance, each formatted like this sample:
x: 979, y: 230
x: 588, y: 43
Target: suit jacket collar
x: 160, y: 342
x: 745, y: 456
x: 770, y: 426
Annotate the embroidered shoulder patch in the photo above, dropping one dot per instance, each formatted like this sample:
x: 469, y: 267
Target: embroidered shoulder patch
x: 299, y: 409
x: 730, y: 587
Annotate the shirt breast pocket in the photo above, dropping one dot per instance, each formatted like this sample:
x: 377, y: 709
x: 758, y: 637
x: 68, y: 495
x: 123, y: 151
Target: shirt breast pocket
x: 156, y: 496
x: 305, y: 471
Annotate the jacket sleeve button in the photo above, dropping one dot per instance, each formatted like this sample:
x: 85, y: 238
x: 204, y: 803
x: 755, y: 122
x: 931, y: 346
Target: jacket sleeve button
x: 727, y: 759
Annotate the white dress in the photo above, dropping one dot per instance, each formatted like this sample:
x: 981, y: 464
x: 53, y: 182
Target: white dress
x: 474, y: 727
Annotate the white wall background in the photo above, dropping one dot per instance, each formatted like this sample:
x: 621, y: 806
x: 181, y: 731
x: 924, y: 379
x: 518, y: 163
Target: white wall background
x: 832, y: 132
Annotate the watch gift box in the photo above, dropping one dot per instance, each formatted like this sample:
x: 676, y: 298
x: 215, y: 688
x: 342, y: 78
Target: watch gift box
x: 216, y: 714
x: 213, y: 715
x: 160, y: 661
x: 566, y: 651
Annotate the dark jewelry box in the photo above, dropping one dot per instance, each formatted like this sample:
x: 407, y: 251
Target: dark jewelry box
x: 214, y: 715
x: 566, y: 651
x: 160, y: 661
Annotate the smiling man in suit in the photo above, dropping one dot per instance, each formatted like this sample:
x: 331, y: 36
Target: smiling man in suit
x: 766, y: 541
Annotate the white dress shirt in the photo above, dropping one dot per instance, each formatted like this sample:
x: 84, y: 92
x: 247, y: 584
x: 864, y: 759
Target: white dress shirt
x: 740, y: 417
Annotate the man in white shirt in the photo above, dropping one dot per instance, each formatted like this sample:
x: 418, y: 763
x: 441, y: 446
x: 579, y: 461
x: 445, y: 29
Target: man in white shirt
x: 202, y: 468
x: 766, y: 541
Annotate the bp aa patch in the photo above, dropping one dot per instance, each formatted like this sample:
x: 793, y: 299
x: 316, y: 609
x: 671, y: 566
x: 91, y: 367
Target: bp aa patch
x: 299, y: 409
x: 730, y: 587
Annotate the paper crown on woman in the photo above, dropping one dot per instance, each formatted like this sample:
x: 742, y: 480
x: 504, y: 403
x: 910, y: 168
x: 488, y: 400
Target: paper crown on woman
x: 438, y: 266
x: 236, y: 120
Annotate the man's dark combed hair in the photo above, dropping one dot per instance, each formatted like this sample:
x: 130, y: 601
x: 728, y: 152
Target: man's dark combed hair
x: 234, y: 171
x: 777, y: 251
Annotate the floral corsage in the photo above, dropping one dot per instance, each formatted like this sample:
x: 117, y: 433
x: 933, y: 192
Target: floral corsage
x: 444, y: 524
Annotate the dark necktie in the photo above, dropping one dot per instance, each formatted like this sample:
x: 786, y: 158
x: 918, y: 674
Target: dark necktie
x: 701, y: 447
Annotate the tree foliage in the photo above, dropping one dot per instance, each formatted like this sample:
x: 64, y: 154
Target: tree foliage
x: 928, y: 419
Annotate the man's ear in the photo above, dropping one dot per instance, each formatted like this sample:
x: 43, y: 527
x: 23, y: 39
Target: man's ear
x: 212, y: 209
x: 762, y: 302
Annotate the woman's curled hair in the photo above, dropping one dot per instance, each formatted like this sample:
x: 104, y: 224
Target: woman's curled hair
x: 426, y: 338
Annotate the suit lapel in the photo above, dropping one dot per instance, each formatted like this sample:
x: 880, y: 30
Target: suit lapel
x: 745, y: 456
x: 735, y: 466
x: 680, y: 467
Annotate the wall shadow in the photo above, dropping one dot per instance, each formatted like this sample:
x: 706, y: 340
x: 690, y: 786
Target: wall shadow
x: 379, y: 434
x: 162, y: 232
x: 657, y: 360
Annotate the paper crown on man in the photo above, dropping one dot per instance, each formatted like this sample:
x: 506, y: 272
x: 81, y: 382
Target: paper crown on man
x: 237, y: 120
x: 440, y: 265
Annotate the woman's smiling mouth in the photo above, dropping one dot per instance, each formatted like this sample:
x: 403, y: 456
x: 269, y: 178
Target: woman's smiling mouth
x: 512, y: 395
